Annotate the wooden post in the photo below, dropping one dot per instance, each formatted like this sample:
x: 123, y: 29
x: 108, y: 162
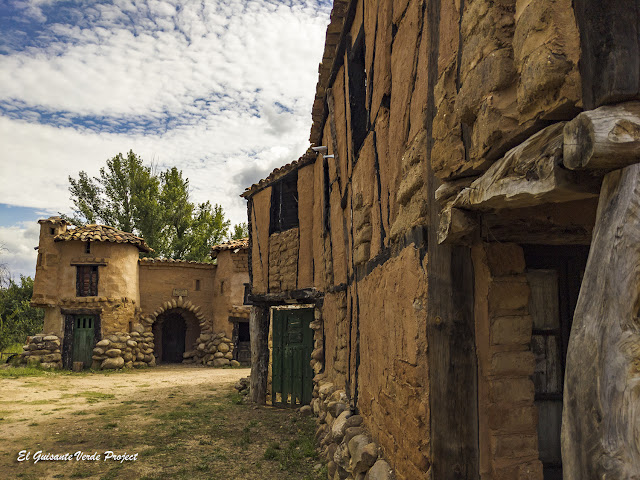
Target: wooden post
x: 259, y: 332
x: 601, y: 415
x: 610, y: 44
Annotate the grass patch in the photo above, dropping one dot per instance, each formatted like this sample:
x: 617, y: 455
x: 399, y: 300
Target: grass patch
x: 92, y: 397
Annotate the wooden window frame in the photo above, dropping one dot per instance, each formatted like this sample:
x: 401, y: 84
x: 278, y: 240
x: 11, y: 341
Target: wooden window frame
x: 81, y: 284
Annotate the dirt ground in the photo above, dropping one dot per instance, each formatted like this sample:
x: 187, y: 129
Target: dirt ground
x: 181, y: 421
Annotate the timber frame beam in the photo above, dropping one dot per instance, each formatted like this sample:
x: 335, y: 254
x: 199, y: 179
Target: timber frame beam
x: 564, y: 162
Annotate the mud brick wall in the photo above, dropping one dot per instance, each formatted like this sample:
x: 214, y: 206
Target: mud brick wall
x: 508, y: 418
x: 504, y: 68
x: 283, y: 261
x: 393, y: 373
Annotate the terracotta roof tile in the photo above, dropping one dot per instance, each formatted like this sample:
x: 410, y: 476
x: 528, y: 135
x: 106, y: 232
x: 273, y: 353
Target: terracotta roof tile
x: 280, y: 172
x: 242, y: 244
x: 102, y: 233
x: 148, y: 260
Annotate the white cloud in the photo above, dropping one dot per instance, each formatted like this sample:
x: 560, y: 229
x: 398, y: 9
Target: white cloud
x: 19, y: 254
x: 222, y: 90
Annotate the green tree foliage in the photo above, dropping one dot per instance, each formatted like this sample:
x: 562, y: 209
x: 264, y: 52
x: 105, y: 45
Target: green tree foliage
x: 17, y: 317
x: 240, y: 230
x: 132, y: 197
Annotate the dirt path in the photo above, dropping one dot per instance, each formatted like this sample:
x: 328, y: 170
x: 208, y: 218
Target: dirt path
x: 182, y: 421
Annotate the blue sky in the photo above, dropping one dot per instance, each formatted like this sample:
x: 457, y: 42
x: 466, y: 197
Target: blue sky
x: 221, y: 89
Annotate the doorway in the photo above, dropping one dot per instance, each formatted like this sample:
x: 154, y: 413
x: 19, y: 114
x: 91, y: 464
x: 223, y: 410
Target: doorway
x: 83, y: 335
x: 292, y: 377
x: 174, y: 330
x: 554, y: 274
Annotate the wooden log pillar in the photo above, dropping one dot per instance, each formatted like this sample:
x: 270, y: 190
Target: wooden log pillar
x: 601, y: 415
x: 259, y: 332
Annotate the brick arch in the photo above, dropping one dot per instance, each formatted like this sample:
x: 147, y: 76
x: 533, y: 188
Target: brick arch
x: 172, y: 304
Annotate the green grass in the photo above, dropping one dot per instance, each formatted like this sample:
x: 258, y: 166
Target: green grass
x: 15, y: 348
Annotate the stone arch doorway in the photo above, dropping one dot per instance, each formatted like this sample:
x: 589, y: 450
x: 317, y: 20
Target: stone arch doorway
x: 175, y: 331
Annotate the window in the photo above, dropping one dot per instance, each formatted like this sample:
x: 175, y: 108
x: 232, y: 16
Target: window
x: 197, y: 285
x: 87, y: 248
x: 53, y: 231
x: 358, y: 92
x: 87, y: 281
x: 284, y: 204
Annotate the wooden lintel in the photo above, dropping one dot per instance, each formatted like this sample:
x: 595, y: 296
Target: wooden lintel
x: 304, y: 295
x: 605, y: 139
x: 528, y: 175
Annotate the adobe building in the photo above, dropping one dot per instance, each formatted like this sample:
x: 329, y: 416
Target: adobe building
x: 108, y: 308
x: 451, y: 276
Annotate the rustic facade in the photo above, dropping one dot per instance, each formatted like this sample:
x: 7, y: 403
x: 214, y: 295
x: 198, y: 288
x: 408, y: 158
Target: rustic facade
x: 108, y: 308
x: 427, y: 257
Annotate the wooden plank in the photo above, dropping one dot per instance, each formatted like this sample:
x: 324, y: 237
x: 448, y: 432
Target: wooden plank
x: 610, y: 57
x: 607, y: 138
x: 601, y: 415
x: 259, y: 331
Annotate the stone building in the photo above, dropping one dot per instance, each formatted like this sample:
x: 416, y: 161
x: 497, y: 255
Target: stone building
x: 451, y: 273
x: 109, y: 308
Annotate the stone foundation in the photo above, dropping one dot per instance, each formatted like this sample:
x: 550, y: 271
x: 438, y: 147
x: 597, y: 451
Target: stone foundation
x: 42, y: 349
x: 128, y: 350
x: 344, y: 440
x: 212, y: 351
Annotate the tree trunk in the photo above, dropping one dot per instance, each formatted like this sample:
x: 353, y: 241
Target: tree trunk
x: 259, y: 333
x: 601, y: 416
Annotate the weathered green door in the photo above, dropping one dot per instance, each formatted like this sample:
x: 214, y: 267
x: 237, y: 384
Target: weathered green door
x: 292, y: 376
x: 83, y: 339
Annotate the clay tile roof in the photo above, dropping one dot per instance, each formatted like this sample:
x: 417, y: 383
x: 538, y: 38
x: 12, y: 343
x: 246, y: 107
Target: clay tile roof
x: 280, y: 172
x: 242, y: 244
x: 102, y: 233
x: 147, y: 260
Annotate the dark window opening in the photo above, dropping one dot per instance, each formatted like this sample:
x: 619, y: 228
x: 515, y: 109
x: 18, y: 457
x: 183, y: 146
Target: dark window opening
x: 87, y: 281
x: 87, y: 248
x: 284, y: 204
x: 243, y: 332
x: 554, y: 275
x: 327, y: 198
x: 53, y: 231
x: 197, y: 285
x: 358, y: 93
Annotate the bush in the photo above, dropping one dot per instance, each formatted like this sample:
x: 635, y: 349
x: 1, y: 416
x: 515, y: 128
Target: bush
x: 18, y: 318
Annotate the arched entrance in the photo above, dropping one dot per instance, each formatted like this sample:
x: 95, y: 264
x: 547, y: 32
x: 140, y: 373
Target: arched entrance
x: 175, y: 332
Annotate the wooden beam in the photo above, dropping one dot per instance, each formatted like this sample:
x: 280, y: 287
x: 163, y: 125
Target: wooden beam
x: 456, y: 226
x: 601, y: 414
x: 259, y: 333
x: 528, y: 175
x: 606, y: 138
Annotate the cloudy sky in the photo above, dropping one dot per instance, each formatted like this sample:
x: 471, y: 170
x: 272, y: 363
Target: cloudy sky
x: 222, y: 89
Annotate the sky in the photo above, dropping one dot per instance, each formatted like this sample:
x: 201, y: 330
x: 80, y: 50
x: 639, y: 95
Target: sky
x: 221, y: 89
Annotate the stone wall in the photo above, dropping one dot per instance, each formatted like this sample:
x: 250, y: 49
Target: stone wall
x: 212, y: 351
x: 44, y: 350
x: 122, y: 349
x: 508, y: 420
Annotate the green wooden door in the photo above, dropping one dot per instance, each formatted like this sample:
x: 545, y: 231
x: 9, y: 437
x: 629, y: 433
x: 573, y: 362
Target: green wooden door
x: 292, y: 376
x: 83, y: 329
